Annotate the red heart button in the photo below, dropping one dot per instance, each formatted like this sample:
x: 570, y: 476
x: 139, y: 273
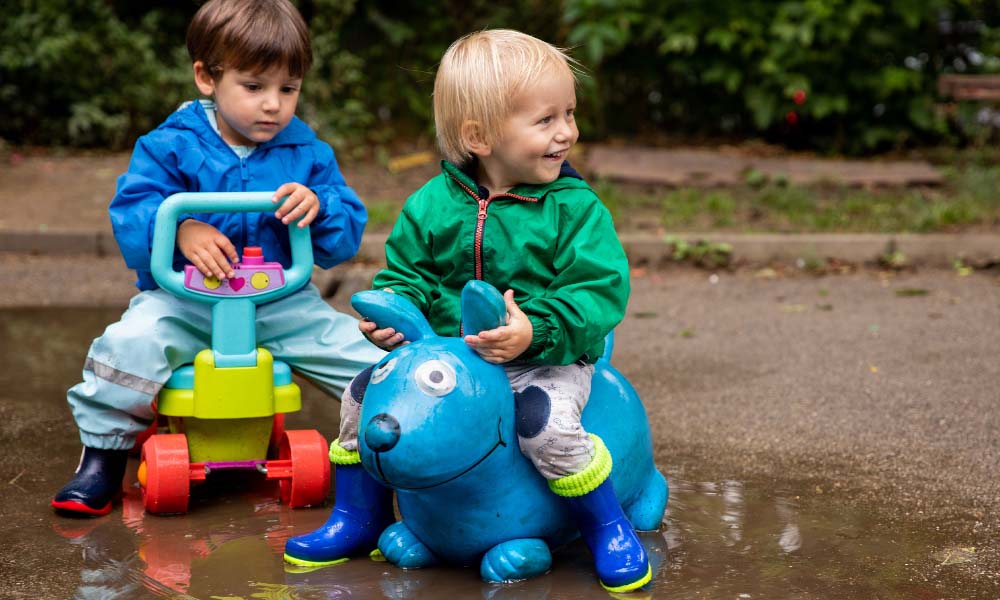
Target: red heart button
x: 237, y: 282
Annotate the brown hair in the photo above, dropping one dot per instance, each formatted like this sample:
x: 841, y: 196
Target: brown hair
x: 249, y: 35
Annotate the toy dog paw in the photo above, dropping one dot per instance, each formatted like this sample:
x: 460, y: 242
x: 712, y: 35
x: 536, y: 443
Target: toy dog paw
x: 402, y: 548
x: 514, y: 560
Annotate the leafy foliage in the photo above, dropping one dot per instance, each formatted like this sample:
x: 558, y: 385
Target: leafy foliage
x: 376, y: 60
x: 851, y: 75
x: 72, y: 72
x: 842, y: 75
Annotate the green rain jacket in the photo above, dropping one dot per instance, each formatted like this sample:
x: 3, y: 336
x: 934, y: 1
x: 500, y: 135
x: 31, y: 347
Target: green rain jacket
x: 553, y: 244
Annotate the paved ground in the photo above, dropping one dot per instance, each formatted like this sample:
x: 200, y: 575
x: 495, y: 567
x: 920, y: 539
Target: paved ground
x: 873, y: 390
x: 870, y: 394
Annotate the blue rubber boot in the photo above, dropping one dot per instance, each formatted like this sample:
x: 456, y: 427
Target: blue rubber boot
x: 619, y: 557
x: 98, y: 481
x: 362, y: 511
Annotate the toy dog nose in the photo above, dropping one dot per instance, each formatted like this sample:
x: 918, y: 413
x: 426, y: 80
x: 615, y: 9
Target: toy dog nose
x: 382, y: 432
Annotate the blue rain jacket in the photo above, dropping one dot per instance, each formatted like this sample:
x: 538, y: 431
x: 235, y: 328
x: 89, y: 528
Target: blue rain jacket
x: 185, y: 154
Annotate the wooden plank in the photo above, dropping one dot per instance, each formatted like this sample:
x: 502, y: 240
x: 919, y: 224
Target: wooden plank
x: 970, y: 87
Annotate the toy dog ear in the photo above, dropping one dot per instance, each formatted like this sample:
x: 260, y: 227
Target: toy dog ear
x: 387, y: 309
x: 482, y: 307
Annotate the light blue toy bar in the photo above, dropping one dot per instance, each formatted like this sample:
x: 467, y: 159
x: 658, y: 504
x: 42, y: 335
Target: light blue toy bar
x: 165, y: 235
x: 234, y: 336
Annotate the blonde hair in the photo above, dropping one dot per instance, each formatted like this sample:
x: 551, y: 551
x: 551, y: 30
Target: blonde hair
x: 479, y: 76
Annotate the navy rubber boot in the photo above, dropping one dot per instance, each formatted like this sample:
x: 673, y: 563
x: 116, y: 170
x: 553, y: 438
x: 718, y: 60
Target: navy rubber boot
x: 619, y: 557
x: 361, y: 512
x: 97, y: 482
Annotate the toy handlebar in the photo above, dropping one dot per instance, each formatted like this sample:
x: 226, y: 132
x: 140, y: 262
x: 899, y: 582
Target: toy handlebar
x: 165, y: 237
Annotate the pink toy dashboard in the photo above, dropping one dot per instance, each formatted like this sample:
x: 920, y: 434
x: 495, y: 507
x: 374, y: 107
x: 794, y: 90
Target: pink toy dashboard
x: 253, y: 276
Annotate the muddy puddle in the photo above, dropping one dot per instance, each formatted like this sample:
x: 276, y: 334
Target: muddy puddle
x: 737, y: 539
x: 719, y: 540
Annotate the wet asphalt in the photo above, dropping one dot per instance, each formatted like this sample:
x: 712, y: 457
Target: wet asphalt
x: 863, y: 404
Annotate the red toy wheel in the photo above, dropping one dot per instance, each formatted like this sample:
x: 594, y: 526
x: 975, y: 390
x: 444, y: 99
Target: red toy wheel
x: 163, y: 474
x: 310, y: 481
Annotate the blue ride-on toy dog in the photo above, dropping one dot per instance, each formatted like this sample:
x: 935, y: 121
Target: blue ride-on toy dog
x: 438, y: 426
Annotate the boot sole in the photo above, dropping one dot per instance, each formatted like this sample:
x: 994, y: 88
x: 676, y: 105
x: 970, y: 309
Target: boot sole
x: 79, y: 508
x: 313, y: 563
x: 628, y: 587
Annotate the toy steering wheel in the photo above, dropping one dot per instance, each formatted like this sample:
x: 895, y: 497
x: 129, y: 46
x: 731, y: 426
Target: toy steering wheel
x: 271, y: 281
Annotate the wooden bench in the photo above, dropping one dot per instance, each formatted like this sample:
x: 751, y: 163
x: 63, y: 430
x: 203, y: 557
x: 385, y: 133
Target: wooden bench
x: 982, y: 88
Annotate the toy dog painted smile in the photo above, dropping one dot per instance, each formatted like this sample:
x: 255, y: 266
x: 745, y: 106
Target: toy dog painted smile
x: 439, y: 426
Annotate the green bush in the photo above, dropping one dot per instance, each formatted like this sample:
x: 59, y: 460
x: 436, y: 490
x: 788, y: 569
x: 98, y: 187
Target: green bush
x: 836, y: 75
x: 72, y: 72
x: 376, y: 60
x: 848, y: 75
x: 98, y: 73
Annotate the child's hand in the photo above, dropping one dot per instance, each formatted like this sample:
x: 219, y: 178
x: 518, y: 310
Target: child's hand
x: 507, y: 342
x: 207, y: 249
x: 386, y: 339
x: 301, y: 202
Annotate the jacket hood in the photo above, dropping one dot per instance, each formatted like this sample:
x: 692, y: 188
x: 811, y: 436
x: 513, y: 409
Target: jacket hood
x: 192, y: 117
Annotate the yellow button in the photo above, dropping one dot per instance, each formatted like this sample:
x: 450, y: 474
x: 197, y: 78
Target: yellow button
x: 260, y: 280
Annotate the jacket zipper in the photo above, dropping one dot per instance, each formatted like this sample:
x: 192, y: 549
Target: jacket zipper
x: 484, y: 204
x: 478, y: 240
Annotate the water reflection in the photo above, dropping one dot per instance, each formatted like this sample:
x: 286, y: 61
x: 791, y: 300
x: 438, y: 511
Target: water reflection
x: 230, y: 546
x: 105, y: 573
x: 732, y: 511
x: 791, y: 537
x: 720, y: 539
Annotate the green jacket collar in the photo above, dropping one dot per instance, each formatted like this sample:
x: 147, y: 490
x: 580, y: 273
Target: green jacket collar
x: 568, y: 179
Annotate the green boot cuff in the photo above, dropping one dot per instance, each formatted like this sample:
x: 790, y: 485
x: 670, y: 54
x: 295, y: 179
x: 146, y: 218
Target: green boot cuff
x: 341, y: 456
x: 588, y: 479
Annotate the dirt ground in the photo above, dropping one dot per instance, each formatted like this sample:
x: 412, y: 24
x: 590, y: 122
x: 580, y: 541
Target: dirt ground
x: 71, y: 192
x: 58, y: 191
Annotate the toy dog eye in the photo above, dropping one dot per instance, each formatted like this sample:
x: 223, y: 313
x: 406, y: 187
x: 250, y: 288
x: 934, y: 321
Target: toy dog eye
x: 435, y: 377
x: 382, y: 371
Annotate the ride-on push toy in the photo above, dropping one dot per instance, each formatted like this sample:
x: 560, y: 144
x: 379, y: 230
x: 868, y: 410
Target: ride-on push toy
x: 226, y: 409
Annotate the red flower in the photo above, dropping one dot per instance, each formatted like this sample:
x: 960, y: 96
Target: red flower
x: 791, y: 117
x: 799, y: 97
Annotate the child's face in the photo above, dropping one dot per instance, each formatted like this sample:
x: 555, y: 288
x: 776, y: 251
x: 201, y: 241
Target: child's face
x: 251, y: 108
x: 537, y: 136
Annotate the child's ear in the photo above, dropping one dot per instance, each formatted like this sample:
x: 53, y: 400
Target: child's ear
x: 203, y: 78
x: 474, y: 140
